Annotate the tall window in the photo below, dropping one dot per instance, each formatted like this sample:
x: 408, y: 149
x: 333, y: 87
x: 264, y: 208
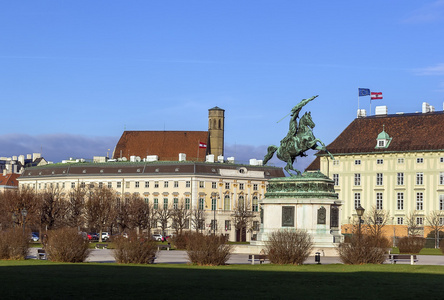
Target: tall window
x: 255, y: 187
x: 165, y: 184
x: 379, y: 179
x: 419, y: 201
x: 213, y: 204
x: 187, y: 184
x: 176, y: 184
x: 73, y: 185
x: 165, y: 203
x: 357, y: 200
x: 357, y: 179
x: 156, y: 184
x: 400, y: 221
x: 255, y: 204
x: 119, y: 184
x: 214, y: 185
x: 127, y: 184
x: 156, y: 203
x: 227, y: 202
x: 400, y: 203
x: 136, y: 184
x: 188, y: 203
x: 441, y: 178
x: 400, y: 179
x: 241, y: 186
x: 146, y: 200
x: 441, y: 202
x: 110, y: 185
x: 419, y: 220
x: 201, y: 184
x: 419, y: 178
x: 175, y: 203
x: 201, y: 203
x: 241, y: 201
x: 336, y: 179
x: 379, y: 201
x: 227, y: 225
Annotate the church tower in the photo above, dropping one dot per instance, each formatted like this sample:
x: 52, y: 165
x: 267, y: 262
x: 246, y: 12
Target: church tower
x: 216, y: 122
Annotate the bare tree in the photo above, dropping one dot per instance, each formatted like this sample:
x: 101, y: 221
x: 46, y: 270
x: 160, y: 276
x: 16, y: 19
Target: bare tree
x: 139, y: 212
x: 100, y: 208
x: 180, y: 216
x: 76, y: 207
x: 122, y: 219
x: 435, y: 221
x: 53, y: 209
x: 413, y: 228
x: 14, y: 202
x: 164, y: 216
x: 376, y: 220
x: 242, y: 218
x: 198, y: 219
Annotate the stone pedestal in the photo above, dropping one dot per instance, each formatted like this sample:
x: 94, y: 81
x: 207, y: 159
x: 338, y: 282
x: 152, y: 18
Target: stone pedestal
x: 306, y: 202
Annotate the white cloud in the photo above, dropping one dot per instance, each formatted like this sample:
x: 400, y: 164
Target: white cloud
x: 433, y: 70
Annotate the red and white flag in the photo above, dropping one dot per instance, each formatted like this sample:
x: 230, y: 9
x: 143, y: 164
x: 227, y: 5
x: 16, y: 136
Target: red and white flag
x: 202, y: 145
x: 376, y: 95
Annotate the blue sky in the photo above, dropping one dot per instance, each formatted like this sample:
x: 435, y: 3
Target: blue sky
x: 74, y: 75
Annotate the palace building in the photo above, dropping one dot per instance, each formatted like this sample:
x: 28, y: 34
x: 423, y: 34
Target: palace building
x: 391, y: 162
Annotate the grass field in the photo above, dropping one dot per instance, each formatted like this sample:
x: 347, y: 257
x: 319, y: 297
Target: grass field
x: 33, y: 279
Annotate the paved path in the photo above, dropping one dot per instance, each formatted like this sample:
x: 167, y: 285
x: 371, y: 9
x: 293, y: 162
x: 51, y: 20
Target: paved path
x: 180, y: 257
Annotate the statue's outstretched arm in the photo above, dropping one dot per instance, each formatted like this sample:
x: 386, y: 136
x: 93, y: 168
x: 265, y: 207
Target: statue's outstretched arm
x: 302, y: 103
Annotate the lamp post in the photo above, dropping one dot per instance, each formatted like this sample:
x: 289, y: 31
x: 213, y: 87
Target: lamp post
x: 24, y: 213
x: 360, y: 211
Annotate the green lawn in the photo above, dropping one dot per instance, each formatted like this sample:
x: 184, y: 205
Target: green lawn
x: 47, y: 280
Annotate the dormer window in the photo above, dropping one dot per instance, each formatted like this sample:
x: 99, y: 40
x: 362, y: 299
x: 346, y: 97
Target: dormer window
x: 383, y: 140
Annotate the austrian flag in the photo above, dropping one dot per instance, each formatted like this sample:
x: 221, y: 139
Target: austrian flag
x: 376, y: 95
x: 202, y: 145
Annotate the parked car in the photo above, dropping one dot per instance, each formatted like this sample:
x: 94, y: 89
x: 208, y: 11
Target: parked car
x: 94, y: 236
x: 158, y: 237
x: 105, y: 236
x: 35, y: 236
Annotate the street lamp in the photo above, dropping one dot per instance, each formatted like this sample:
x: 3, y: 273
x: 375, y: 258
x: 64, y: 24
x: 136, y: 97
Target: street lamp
x: 24, y: 213
x: 360, y: 211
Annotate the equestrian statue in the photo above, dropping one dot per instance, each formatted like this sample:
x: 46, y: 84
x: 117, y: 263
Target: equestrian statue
x: 298, y: 140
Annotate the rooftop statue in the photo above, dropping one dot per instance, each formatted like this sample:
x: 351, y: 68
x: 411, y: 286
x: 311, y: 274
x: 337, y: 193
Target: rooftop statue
x: 298, y: 140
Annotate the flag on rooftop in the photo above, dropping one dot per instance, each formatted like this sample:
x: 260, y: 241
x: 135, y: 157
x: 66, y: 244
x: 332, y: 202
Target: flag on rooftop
x: 363, y: 92
x: 376, y: 96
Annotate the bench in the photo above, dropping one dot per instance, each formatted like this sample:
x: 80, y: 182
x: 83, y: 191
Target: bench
x: 402, y: 258
x: 163, y: 247
x: 101, y: 246
x: 41, y: 254
x: 257, y: 257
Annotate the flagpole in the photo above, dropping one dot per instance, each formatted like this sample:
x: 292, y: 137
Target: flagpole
x: 198, y: 148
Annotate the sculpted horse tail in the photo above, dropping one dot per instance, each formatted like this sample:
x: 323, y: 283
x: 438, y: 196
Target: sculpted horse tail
x: 270, y: 151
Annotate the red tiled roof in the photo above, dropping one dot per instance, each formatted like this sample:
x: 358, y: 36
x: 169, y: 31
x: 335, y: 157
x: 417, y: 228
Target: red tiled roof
x: 409, y: 132
x: 165, y: 144
x: 9, y: 179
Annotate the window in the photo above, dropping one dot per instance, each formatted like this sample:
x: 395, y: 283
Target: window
x: 441, y: 159
x: 441, y: 221
x: 176, y: 184
x: 188, y: 203
x: 336, y: 162
x: 146, y: 200
x: 357, y: 179
x: 201, y: 203
x: 400, y: 220
x: 126, y: 201
x: 419, y: 220
x: 357, y: 162
x: 400, y: 160
x: 118, y: 202
x: 255, y: 204
x: 241, y: 186
x: 213, y: 204
x: 73, y: 185
x: 156, y: 203
x: 214, y: 185
x: 256, y: 225
x: 227, y: 225
x: 100, y: 185
x: 381, y: 143
x: 255, y: 187
x: 419, y: 160
x: 175, y: 203
x: 357, y: 200
x: 156, y: 184
x: 136, y: 184
x: 127, y: 184
x: 400, y: 201
x: 227, y: 202
x: 379, y: 179
x: 227, y: 185
x: 400, y: 179
x: 441, y: 202
x: 201, y: 184
x: 110, y: 185
x: 336, y: 179
x: 419, y: 178
x: 165, y: 184
x: 147, y: 184
x: 379, y: 199
x: 187, y: 184
x: 419, y: 201
x: 380, y: 161
x: 441, y: 178
x: 119, y: 184
x: 165, y: 203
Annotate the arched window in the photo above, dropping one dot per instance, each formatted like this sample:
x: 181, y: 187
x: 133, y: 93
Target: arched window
x: 227, y: 202
x: 255, y: 203
x: 241, y: 201
x: 215, y: 124
x: 220, y: 124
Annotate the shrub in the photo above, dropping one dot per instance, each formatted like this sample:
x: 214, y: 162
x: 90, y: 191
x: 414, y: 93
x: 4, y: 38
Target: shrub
x: 66, y: 245
x: 364, y: 249
x: 134, y: 249
x: 441, y: 246
x: 180, y: 241
x: 289, y: 247
x: 208, y: 250
x: 13, y: 244
x: 430, y: 239
x: 411, y: 244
